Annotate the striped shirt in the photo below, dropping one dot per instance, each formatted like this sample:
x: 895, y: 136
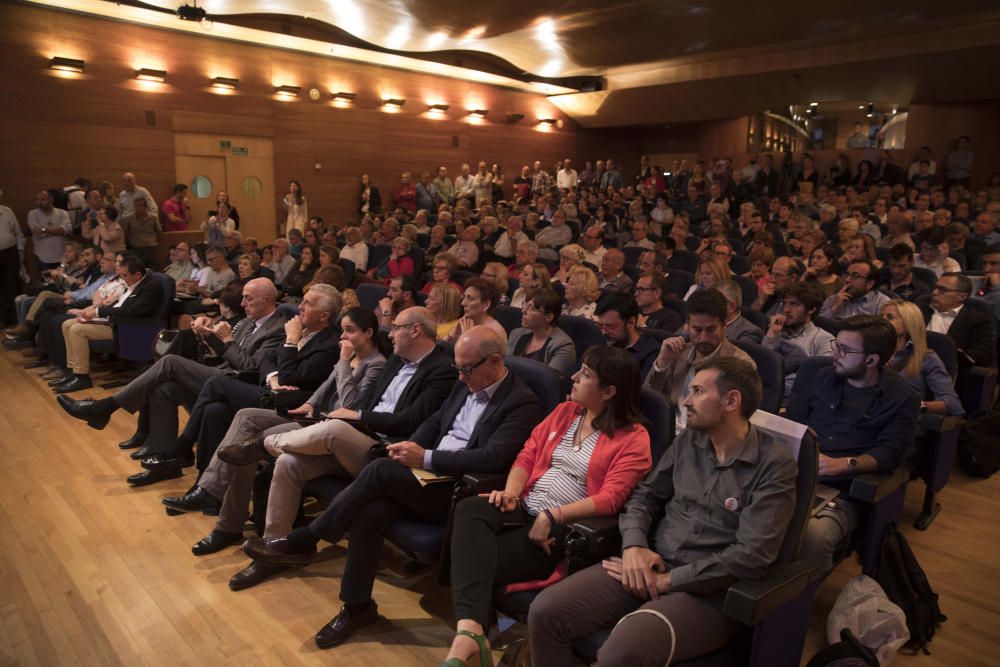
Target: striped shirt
x: 565, y: 481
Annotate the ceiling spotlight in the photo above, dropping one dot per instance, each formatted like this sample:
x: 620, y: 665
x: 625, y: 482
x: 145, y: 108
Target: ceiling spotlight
x: 479, y: 113
x: 344, y: 98
x: 438, y: 108
x: 547, y: 121
x: 225, y: 82
x: 191, y: 13
x: 515, y: 117
x: 66, y: 64
x: 869, y: 114
x: 861, y: 107
x: 814, y: 104
x: 147, y: 74
x: 288, y: 91
x: 393, y: 103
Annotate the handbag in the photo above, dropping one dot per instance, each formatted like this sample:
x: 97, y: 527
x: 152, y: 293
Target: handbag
x: 175, y: 341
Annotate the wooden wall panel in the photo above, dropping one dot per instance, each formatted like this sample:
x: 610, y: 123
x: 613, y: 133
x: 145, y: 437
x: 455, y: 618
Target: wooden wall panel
x: 937, y: 126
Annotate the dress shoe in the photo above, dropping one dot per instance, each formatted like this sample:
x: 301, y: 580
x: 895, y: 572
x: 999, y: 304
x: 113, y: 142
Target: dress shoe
x: 217, y: 540
x: 241, y: 453
x: 17, y: 343
x: 143, y: 452
x: 253, y: 574
x: 77, y: 383
x: 198, y: 500
x: 147, y: 477
x: 345, y: 624
x: 37, y: 363
x: 66, y: 377
x: 137, y: 440
x: 20, y: 331
x: 84, y: 410
x: 158, y: 461
x: 275, y: 551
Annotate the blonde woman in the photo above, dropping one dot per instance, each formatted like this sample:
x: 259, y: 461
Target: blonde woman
x: 922, y: 368
x: 711, y: 272
x: 444, y: 302
x: 497, y: 274
x: 569, y: 256
x: 532, y: 278
x: 582, y: 290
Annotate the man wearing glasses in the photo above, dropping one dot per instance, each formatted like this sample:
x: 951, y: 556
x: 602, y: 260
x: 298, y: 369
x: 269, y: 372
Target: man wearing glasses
x: 858, y: 295
x: 617, y: 315
x: 649, y: 297
x: 971, y: 330
x: 865, y: 417
x: 479, y: 427
x: 784, y: 272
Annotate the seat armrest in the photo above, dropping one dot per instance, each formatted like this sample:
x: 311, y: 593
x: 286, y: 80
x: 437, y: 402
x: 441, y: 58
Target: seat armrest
x: 940, y: 423
x: 749, y: 601
x: 484, y: 482
x: 137, y: 321
x: 871, y: 487
x: 253, y: 377
x: 981, y: 371
x: 593, y: 539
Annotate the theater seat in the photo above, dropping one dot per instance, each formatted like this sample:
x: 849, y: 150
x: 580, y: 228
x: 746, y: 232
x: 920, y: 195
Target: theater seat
x: 685, y: 260
x: 749, y: 288
x: 369, y: 294
x: 508, y: 316
x: 771, y: 368
x: 583, y: 332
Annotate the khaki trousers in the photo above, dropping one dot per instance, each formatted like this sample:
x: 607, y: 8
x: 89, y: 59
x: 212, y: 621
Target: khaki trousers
x: 78, y: 336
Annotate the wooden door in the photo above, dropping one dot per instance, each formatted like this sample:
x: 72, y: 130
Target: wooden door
x: 251, y: 187
x: 204, y: 176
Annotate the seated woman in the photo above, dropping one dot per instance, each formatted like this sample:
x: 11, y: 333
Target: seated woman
x: 569, y: 256
x: 302, y: 272
x: 581, y: 461
x: 445, y: 304
x: 847, y: 229
x: 532, y: 278
x: 334, y: 275
x: 247, y: 268
x: 497, y: 274
x: 478, y: 299
x: 859, y: 249
x: 442, y: 268
x: 539, y: 336
x: 761, y: 261
x: 398, y: 263
x: 922, y: 367
x: 328, y: 255
x: 824, y: 270
x: 711, y: 271
x: 582, y: 292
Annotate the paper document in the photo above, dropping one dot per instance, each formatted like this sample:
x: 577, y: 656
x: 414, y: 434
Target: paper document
x: 426, y: 477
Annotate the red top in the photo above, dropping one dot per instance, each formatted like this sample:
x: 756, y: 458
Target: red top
x: 617, y: 465
x: 405, y: 196
x: 399, y: 267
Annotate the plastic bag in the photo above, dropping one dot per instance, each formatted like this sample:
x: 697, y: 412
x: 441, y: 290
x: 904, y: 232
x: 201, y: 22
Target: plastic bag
x: 864, y: 608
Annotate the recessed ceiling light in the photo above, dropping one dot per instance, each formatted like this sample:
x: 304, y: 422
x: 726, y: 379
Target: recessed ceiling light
x: 393, y: 103
x: 225, y: 82
x: 147, y: 74
x: 66, y: 64
x: 288, y: 91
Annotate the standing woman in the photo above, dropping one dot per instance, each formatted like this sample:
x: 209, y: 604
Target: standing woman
x: 223, y: 198
x: 497, y: 172
x: 405, y: 194
x: 108, y: 193
x: 369, y: 198
x: 295, y: 204
x: 106, y: 233
x: 581, y: 461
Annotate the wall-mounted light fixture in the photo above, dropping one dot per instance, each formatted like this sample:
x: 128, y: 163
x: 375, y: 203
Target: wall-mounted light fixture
x: 225, y: 83
x: 479, y: 113
x: 147, y: 74
x: 438, y: 108
x: 551, y: 122
x: 515, y: 117
x: 344, y: 98
x: 287, y: 91
x: 66, y: 64
x: 393, y: 103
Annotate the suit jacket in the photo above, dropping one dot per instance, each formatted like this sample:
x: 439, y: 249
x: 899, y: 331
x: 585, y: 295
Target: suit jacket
x: 306, y: 368
x: 423, y: 394
x: 249, y: 348
x: 742, y: 329
x: 972, y: 332
x: 142, y: 302
x: 499, y: 435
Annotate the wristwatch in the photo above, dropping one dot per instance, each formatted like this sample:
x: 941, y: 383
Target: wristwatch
x: 852, y: 465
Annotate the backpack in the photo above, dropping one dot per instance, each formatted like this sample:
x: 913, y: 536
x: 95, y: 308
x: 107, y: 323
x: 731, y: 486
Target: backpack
x: 978, y: 446
x: 848, y: 652
x: 60, y: 198
x: 906, y: 585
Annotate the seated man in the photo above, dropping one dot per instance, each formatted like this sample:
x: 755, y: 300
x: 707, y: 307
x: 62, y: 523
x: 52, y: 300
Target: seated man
x: 971, y: 330
x: 415, y: 381
x: 612, y: 276
x: 141, y: 298
x: 784, y: 272
x: 480, y: 427
x: 987, y: 286
x: 401, y: 294
x: 858, y: 296
x: 793, y: 335
x: 706, y: 339
x: 738, y: 328
x: 617, y: 315
x: 902, y: 283
x: 180, y: 267
x: 176, y: 380
x: 934, y: 252
x: 680, y: 549
x: 306, y: 359
x: 649, y: 297
x: 865, y: 417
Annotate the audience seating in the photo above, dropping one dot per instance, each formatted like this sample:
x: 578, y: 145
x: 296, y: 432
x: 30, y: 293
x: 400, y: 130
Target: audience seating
x: 749, y: 288
x: 461, y: 275
x: 756, y: 317
x: 583, y: 332
x: 677, y: 306
x: 771, y: 368
x: 350, y: 272
x: 679, y: 282
x: 378, y: 254
x: 926, y: 276
x: 369, y: 294
x: 632, y: 255
x: 685, y: 260
x: 508, y: 316
x: 739, y: 264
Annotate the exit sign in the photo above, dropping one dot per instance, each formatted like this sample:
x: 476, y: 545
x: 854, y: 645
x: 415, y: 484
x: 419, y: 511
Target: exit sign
x: 241, y: 150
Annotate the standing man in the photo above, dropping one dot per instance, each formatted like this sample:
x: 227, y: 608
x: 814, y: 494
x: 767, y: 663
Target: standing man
x: 540, y: 179
x: 130, y: 193
x: 567, y: 178
x: 11, y: 263
x: 49, y: 228
x: 142, y: 230
x: 176, y: 213
x: 444, y: 186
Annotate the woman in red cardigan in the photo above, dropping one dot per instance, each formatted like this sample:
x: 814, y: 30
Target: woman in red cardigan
x: 582, y: 461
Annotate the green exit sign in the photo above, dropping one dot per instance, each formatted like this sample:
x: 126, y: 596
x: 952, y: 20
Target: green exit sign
x: 241, y: 150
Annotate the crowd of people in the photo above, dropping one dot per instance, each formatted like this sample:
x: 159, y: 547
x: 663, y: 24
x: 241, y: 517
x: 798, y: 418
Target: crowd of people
x: 284, y: 358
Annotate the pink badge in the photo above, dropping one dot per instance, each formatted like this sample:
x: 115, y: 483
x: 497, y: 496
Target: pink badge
x: 732, y: 504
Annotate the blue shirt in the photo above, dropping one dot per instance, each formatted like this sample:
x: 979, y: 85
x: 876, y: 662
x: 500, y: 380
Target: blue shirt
x: 87, y: 293
x: 457, y: 437
x: 933, y: 382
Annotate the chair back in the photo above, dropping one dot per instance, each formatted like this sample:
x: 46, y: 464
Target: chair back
x: 287, y: 310
x: 541, y: 378
x: 417, y: 255
x: 508, y: 316
x: 632, y: 255
x: 378, y: 254
x: 662, y: 421
x: 749, y: 288
x: 926, y: 276
x: 944, y: 347
x: 461, y: 275
x: 739, y: 264
x: 583, y: 332
x: 830, y: 325
x: 350, y: 271
x: 369, y: 294
x: 679, y: 282
x: 755, y: 316
x: 771, y: 368
x: 808, y: 369
x: 979, y: 304
x: 169, y: 290
x: 683, y: 259
x: 677, y: 306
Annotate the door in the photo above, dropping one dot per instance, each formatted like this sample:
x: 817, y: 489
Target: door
x: 241, y: 166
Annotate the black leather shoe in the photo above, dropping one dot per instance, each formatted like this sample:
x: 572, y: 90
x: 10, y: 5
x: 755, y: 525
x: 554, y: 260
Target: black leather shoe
x: 63, y: 379
x: 253, y: 574
x: 143, y: 452
x: 147, y: 477
x: 274, y: 551
x: 198, y: 500
x: 17, y: 344
x: 37, y: 363
x: 242, y: 453
x: 345, y: 624
x: 137, y: 440
x: 78, y: 383
x: 84, y: 410
x: 215, y: 541
x: 157, y: 461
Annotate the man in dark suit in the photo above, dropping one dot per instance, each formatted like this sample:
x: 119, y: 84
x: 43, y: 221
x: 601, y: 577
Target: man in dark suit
x: 971, y: 330
x: 306, y: 359
x: 143, y: 295
x: 176, y: 380
x: 479, y: 428
x: 415, y: 381
x: 617, y: 317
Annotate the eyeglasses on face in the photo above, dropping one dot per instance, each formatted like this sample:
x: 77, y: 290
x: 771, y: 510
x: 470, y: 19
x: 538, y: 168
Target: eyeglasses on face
x: 842, y: 350
x: 469, y: 370
x: 395, y: 326
x: 940, y: 288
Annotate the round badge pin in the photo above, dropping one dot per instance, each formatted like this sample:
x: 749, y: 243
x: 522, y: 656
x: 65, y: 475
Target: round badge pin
x: 732, y: 504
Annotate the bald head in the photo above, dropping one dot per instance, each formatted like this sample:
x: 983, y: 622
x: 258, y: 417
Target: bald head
x: 479, y: 355
x: 259, y: 296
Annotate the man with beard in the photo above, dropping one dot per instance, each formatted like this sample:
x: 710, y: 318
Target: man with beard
x: 865, y: 418
x: 792, y: 333
x: 617, y: 315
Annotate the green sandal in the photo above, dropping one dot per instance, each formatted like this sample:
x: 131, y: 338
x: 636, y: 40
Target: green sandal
x: 485, y: 656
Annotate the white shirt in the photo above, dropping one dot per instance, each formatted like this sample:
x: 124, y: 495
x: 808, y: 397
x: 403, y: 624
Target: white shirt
x: 10, y: 230
x: 941, y: 322
x: 942, y: 266
x: 357, y: 253
x: 595, y: 257
x: 566, y: 179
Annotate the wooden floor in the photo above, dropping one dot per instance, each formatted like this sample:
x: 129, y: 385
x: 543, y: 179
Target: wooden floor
x: 93, y: 572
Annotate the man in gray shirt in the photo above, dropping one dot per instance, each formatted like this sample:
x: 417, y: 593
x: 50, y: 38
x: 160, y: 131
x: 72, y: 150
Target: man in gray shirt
x: 714, y: 510
x: 792, y: 333
x: 858, y: 296
x: 130, y: 192
x: 49, y: 228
